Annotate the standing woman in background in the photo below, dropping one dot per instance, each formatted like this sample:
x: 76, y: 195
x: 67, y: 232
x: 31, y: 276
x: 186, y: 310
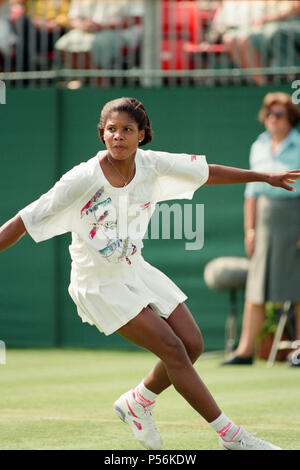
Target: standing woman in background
x: 272, y: 224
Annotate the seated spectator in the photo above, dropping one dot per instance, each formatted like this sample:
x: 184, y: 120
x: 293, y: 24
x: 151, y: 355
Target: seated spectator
x: 37, y: 25
x: 258, y: 33
x: 25, y: 52
x: 50, y: 20
x: 234, y: 18
x: 276, y: 36
x: 8, y: 38
x: 102, y: 29
x: 48, y: 15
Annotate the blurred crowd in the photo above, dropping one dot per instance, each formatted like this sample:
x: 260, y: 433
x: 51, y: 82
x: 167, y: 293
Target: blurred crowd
x: 108, y: 34
x: 32, y: 31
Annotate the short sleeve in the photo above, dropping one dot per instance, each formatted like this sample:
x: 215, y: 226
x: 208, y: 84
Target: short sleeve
x: 179, y: 175
x: 51, y: 214
x: 253, y: 190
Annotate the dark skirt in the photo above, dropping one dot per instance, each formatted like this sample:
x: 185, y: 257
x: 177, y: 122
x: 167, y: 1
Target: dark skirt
x: 274, y: 271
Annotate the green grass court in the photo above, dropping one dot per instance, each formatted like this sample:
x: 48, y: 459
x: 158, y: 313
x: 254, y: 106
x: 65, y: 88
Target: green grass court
x: 62, y: 399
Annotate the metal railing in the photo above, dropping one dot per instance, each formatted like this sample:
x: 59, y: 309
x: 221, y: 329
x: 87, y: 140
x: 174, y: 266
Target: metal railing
x: 146, y: 43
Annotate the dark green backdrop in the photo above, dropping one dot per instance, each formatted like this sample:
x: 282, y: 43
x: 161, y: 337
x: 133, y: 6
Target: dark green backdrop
x: 44, y: 132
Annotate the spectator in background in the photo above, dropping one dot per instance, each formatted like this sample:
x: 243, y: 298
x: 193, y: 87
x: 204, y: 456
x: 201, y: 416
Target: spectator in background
x: 234, y: 19
x: 272, y: 224
x: 25, y: 53
x: 102, y: 29
x: 114, y: 35
x: 8, y: 38
x: 259, y: 33
x: 276, y: 36
x: 50, y: 20
x: 38, y: 24
x: 48, y: 15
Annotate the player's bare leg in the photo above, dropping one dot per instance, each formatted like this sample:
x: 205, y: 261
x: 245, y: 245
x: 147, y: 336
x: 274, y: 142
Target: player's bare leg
x: 151, y: 332
x: 184, y: 326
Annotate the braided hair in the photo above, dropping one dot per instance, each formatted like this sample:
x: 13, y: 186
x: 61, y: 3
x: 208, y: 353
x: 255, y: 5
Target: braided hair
x: 135, y: 109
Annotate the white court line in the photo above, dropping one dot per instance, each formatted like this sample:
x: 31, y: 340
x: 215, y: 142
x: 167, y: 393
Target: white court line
x: 189, y: 423
x: 98, y: 420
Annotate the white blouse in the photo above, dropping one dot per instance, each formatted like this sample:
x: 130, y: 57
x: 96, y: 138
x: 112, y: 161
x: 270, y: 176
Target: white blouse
x: 108, y: 225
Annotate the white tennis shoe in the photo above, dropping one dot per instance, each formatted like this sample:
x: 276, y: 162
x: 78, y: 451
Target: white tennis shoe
x: 245, y: 441
x: 140, y: 419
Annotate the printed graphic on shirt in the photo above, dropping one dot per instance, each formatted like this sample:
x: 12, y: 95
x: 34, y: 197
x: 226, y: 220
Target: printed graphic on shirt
x: 104, y: 223
x: 117, y: 250
x: 95, y: 207
x: 96, y: 225
x: 92, y: 204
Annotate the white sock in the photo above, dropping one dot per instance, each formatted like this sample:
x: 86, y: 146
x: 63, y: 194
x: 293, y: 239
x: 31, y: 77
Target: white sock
x: 224, y: 427
x: 141, y: 399
x: 143, y: 396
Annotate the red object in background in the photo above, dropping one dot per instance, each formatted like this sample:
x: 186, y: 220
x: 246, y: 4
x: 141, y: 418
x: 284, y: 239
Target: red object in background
x: 173, y: 56
x: 182, y: 18
x: 181, y: 23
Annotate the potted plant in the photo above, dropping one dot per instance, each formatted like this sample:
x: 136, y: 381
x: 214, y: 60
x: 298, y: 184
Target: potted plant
x: 266, y: 336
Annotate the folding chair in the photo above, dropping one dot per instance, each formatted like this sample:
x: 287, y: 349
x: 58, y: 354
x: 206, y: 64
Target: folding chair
x: 278, y: 344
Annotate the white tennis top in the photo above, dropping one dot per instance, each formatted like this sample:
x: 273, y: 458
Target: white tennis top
x: 110, y: 280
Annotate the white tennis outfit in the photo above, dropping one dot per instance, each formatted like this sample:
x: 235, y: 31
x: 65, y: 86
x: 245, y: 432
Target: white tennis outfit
x: 110, y: 280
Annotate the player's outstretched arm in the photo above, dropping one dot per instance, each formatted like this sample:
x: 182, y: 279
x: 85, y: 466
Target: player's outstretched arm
x: 11, y: 232
x: 219, y: 174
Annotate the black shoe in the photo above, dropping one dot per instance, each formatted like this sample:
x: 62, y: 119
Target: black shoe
x: 237, y: 360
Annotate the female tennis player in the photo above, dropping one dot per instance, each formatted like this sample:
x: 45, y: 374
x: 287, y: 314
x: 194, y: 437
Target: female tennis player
x: 102, y: 202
